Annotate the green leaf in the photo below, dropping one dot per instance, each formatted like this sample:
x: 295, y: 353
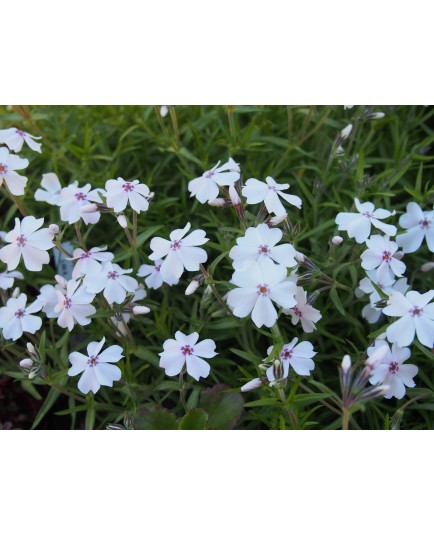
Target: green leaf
x: 195, y: 419
x: 154, y: 418
x: 336, y: 301
x: 224, y: 409
x: 52, y: 396
x: 261, y: 402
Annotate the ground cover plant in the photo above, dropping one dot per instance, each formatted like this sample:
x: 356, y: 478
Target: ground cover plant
x: 216, y: 267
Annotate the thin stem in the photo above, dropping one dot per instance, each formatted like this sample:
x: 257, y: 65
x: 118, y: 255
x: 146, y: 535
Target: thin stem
x: 79, y: 236
x: 62, y: 249
x: 17, y: 202
x: 345, y: 419
x: 181, y: 390
x: 174, y: 124
x: 134, y: 228
x: 289, y: 113
x: 289, y: 410
x: 214, y: 289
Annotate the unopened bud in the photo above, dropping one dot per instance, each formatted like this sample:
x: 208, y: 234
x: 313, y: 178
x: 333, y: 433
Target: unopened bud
x: 141, y: 310
x: 26, y: 363
x: 219, y: 202
x: 252, y: 384
x: 372, y: 116
x: 122, y: 220
x: 115, y: 426
x: 346, y: 363
x: 61, y: 281
x: 235, y: 198
x: 275, y: 220
x: 399, y: 255
x: 336, y: 240
x: 164, y: 110
x: 31, y: 349
x: 54, y: 229
x: 16, y: 292
x: 348, y: 106
x: 345, y: 132
x: 192, y: 287
x: 89, y: 209
x: 427, y: 267
x: 299, y: 257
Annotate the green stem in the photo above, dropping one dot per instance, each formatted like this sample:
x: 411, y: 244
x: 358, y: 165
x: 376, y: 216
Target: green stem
x: 289, y: 410
x: 181, y: 390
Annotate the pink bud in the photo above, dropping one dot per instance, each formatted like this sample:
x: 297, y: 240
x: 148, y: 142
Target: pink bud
x: 399, y: 255
x: 219, y: 202
x: 235, y: 198
x: 299, y: 257
x: 26, y: 363
x: 54, y: 229
x: 141, y: 310
x: 427, y: 267
x: 336, y: 240
x: 275, y: 220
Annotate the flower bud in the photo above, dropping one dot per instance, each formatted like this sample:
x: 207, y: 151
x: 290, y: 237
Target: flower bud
x: 54, y: 229
x: 336, y: 240
x: 192, y: 287
x: 275, y: 220
x: 345, y: 132
x: 278, y: 369
x: 299, y: 257
x: 115, y: 426
x: 219, y: 202
x: 31, y: 349
x: 164, y: 110
x: 89, y: 209
x: 26, y: 363
x: 427, y: 267
x: 235, y: 198
x: 346, y: 363
x: 141, y: 310
x: 61, y: 281
x: 122, y: 220
x: 372, y: 116
x: 252, y: 384
x: 399, y: 255
x: 16, y: 292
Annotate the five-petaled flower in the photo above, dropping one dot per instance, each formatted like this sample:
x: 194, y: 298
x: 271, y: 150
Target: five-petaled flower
x: 119, y: 192
x: 89, y: 262
x: 303, y: 312
x: 73, y: 198
x: 206, y: 187
x: 358, y: 225
x: 269, y: 191
x: 112, y: 279
x: 14, y: 139
x: 26, y: 241
x: 185, y: 350
x: 419, y: 225
x: 379, y: 255
x: 96, y: 367
x: 152, y: 275
x: 299, y: 356
x: 180, y: 252
x: 15, y: 317
x: 8, y: 164
x: 7, y: 279
x: 74, y: 306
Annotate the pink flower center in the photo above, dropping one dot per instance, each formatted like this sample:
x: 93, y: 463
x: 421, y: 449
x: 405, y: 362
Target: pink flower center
x: 297, y: 311
x: 187, y: 350
x: 263, y: 290
x: 113, y: 275
x: 20, y: 132
x: 272, y: 188
x: 264, y: 250
x: 86, y: 255
x: 367, y: 214
x: 210, y: 174
x: 20, y: 313
x: 416, y: 311
x: 158, y: 268
x: 21, y: 241
x: 393, y: 367
x: 425, y: 223
x: 176, y: 244
x: 387, y: 256
x: 80, y: 196
x: 3, y: 168
x: 67, y: 303
x: 286, y: 353
x: 92, y: 361
x: 128, y: 186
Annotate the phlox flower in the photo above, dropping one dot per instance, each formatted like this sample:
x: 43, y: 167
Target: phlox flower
x: 180, y: 252
x: 14, y: 139
x: 26, y: 241
x: 391, y: 371
x: 72, y: 198
x: 303, y: 312
x: 89, y: 262
x: 299, y: 356
x: 53, y: 188
x: 74, y: 305
x: 259, y: 285
x: 120, y: 192
x: 185, y: 350
x: 206, y: 187
x: 419, y: 225
x: 152, y: 275
x: 112, y: 279
x: 379, y: 255
x: 358, y: 225
x: 16, y: 318
x: 7, y: 279
x: 259, y: 243
x: 96, y: 367
x: 48, y: 297
x: 257, y: 191
x: 8, y: 164
x: 417, y: 316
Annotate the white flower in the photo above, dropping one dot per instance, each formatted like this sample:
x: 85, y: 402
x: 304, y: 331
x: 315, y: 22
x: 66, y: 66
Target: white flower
x: 259, y: 243
x: 257, y: 191
x: 299, y: 356
x: 345, y: 132
x: 358, y: 225
x: 419, y: 225
x: 28, y: 242
x: 206, y: 188
x: 112, y: 279
x: 72, y: 198
x: 379, y: 255
x: 96, y: 367
x: 391, y: 372
x: 185, y: 350
x: 151, y: 273
x: 261, y: 284
x: 7, y: 279
x: 48, y: 298
x: 304, y: 312
x: 417, y: 315
x: 51, y: 194
x: 88, y: 262
x: 74, y: 306
x: 16, y: 318
x: 8, y: 164
x: 181, y: 252
x: 14, y: 139
x: 120, y: 192
x: 164, y: 110
x: 252, y: 384
x: 348, y: 106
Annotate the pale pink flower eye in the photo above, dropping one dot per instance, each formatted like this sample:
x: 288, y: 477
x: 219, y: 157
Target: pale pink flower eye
x: 286, y: 354
x: 80, y: 196
x: 210, y: 174
x: 21, y: 241
x: 20, y: 132
x: 425, y: 223
x: 128, y: 187
x: 67, y: 303
x: 272, y: 188
x: 393, y: 367
x: 158, y: 267
x: 297, y: 311
x: 264, y: 250
x: 20, y: 313
x: 86, y: 255
x: 92, y: 361
x: 187, y: 349
x: 367, y: 214
x: 386, y: 256
x: 263, y: 290
x: 176, y: 244
x: 416, y: 311
x: 113, y: 275
x: 3, y: 168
